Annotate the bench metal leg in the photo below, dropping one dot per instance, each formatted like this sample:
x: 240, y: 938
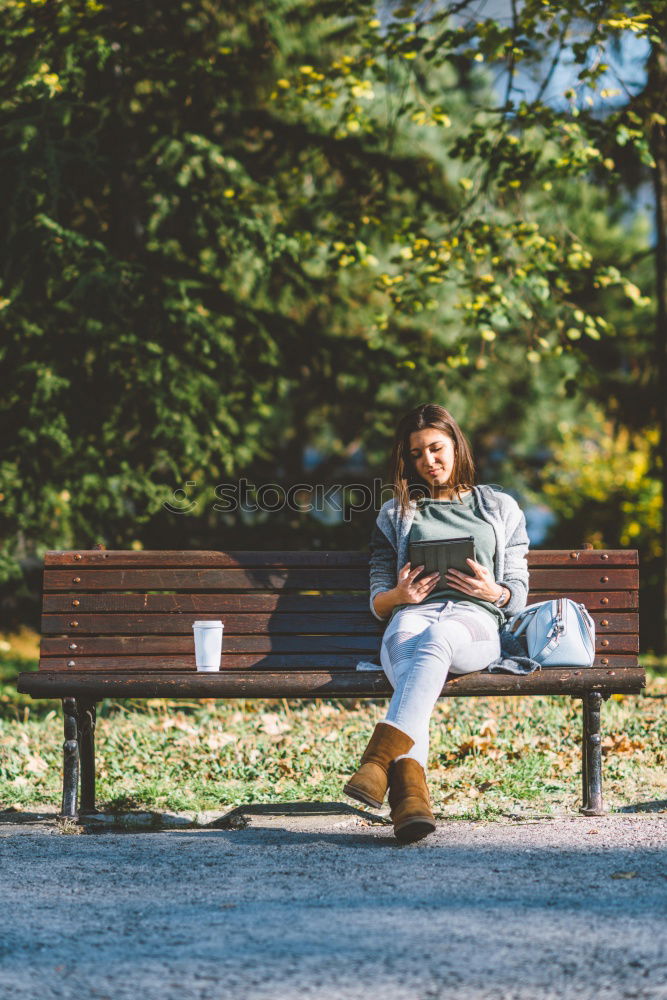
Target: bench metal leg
x: 584, y: 758
x: 591, y: 763
x: 87, y: 714
x: 70, y: 760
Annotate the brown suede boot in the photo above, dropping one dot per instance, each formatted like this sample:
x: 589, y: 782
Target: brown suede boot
x: 369, y: 783
x: 409, y: 800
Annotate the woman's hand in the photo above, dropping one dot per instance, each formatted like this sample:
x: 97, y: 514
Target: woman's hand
x: 481, y: 585
x: 409, y: 590
x: 406, y: 591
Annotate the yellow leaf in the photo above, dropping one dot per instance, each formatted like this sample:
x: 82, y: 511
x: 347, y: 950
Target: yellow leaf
x: 273, y: 725
x: 632, y: 291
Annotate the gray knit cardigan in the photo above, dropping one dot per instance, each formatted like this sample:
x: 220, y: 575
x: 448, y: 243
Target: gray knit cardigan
x: 389, y: 545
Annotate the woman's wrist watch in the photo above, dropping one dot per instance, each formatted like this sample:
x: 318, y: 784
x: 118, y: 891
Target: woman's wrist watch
x: 505, y: 595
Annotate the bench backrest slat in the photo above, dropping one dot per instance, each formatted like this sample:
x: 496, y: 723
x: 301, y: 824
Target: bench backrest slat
x: 312, y: 623
x: 204, y: 558
x: 263, y: 578
x: 248, y: 661
x: 239, y: 642
x: 339, y: 578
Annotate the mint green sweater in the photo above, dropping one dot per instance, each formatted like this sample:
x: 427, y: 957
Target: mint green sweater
x: 442, y: 519
x: 389, y: 545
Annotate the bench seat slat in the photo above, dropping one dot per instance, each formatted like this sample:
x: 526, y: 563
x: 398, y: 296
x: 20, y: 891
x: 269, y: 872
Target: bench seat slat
x: 213, y: 559
x: 264, y: 684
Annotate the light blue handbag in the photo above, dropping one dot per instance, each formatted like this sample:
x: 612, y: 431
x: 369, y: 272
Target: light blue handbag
x: 559, y: 633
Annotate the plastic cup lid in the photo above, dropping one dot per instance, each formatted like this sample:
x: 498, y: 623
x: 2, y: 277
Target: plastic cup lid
x: 208, y: 624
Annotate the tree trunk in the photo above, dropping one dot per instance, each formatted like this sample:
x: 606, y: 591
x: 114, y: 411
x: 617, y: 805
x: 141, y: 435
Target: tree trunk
x: 657, y: 85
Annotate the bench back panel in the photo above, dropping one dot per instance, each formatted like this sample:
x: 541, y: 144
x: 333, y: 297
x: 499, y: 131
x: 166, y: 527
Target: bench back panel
x: 133, y: 611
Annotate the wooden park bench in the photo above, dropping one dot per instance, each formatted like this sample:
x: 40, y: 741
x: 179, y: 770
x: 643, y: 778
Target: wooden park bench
x: 119, y: 625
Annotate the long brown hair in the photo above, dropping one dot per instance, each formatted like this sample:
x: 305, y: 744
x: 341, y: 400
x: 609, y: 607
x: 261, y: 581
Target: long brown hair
x: 407, y: 484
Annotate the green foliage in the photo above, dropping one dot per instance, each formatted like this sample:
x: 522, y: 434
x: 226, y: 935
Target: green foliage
x: 235, y: 232
x: 600, y: 479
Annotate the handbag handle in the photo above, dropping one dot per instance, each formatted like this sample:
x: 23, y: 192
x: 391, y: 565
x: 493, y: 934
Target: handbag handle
x: 553, y: 633
x: 522, y: 625
x: 521, y: 619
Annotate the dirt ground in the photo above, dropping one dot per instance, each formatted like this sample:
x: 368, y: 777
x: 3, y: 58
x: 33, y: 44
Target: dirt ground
x: 321, y: 902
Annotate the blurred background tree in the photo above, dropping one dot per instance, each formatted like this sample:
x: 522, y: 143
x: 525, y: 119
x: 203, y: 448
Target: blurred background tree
x: 240, y: 242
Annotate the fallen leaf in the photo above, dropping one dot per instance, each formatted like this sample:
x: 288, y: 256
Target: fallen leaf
x: 624, y: 874
x: 328, y: 710
x: 488, y: 727
x: 36, y: 765
x: 620, y: 743
x: 476, y: 744
x: 273, y: 725
x: 217, y: 741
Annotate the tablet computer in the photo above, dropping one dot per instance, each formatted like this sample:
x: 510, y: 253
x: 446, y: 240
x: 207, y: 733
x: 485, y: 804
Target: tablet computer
x: 442, y: 555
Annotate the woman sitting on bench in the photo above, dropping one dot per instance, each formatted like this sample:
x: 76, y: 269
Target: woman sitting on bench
x: 435, y: 626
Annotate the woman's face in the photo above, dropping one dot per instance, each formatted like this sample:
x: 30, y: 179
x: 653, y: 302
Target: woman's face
x: 432, y: 453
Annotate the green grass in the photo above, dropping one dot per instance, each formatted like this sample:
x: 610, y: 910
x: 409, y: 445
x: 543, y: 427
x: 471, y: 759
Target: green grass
x: 490, y: 758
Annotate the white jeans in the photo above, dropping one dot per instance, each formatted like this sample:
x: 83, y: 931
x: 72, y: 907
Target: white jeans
x: 420, y: 647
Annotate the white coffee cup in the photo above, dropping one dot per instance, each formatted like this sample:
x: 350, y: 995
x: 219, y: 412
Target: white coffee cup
x: 208, y: 644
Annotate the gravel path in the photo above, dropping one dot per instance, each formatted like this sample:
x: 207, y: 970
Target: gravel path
x: 327, y: 905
